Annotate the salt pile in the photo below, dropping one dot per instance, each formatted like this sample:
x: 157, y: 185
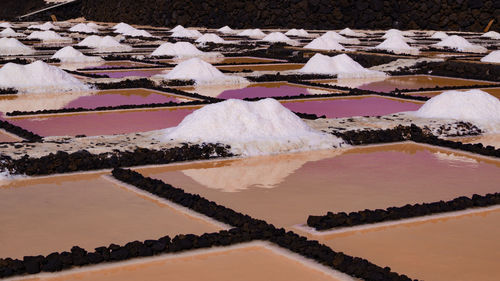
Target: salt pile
x: 250, y: 128
x: 341, y: 65
x: 104, y: 44
x: 48, y: 36
x: 297, y: 32
x: 253, y: 33
x: 182, y: 50
x: 202, y: 73
x: 276, y: 37
x: 45, y: 26
x: 9, y: 32
x: 491, y: 34
x: 211, y: 37
x: 332, y: 35
x: 322, y: 43
x: 6, y: 25
x: 128, y: 30
x: 439, y: 35
x: 83, y: 28
x: 11, y: 46
x: 38, y: 77
x: 226, y: 30
x: 94, y: 26
x: 178, y: 28
x: 393, y: 31
x: 473, y: 105
x: 397, y: 45
x: 186, y: 33
x: 460, y: 44
x: 71, y: 55
x: 493, y: 57
x: 121, y: 25
x: 349, y: 32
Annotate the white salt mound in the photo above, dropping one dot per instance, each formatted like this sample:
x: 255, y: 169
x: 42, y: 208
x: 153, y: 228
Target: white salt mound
x: 210, y: 37
x: 341, y: 65
x: 9, y: 32
x: 71, y: 55
x: 492, y: 35
x: 439, y: 35
x: 45, y: 26
x: 38, y: 77
x: 5, y: 25
x: 122, y: 25
x: 136, y: 33
x: 349, y: 32
x: 226, y: 30
x: 275, y: 37
x: 250, y: 128
x: 473, y: 105
x: 253, y: 33
x: 94, y: 26
x: 492, y: 57
x: 48, y: 36
x: 460, y: 44
x: 202, y: 73
x: 397, y: 45
x: 332, y: 35
x: 186, y: 33
x: 177, y: 28
x: 182, y: 50
x: 297, y: 32
x: 83, y: 28
x: 12, y: 46
x: 322, y: 43
x: 104, y: 44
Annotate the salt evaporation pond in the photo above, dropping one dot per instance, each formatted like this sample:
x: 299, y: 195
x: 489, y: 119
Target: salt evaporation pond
x: 405, y: 82
x: 285, y: 189
x: 128, y: 73
x: 263, y: 67
x: 7, y: 137
x: 446, y: 249
x: 103, y: 123
x: 235, y: 60
x: 44, y: 215
x: 352, y: 106
x: 247, y: 262
x: 111, y: 64
x: 492, y: 91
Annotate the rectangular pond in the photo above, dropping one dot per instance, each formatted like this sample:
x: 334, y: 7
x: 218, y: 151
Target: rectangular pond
x: 492, y: 91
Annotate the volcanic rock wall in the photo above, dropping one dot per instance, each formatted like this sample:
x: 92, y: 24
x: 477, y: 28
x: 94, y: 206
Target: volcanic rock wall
x: 10, y: 9
x: 467, y: 15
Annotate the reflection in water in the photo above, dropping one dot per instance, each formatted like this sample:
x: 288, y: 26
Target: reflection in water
x: 453, y: 159
x: 264, y: 171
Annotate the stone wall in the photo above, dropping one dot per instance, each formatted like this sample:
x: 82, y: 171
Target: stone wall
x: 466, y: 15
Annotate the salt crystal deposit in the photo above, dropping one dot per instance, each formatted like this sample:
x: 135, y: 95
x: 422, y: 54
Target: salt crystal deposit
x: 491, y: 35
x: 460, y: 44
x: 202, y: 73
x: 186, y: 33
x: 38, y: 77
x: 104, y: 44
x: 349, y: 32
x: 122, y: 25
x: 6, y: 25
x: 182, y: 50
x: 253, y: 33
x: 493, y: 57
x: 178, y: 28
x: 250, y: 128
x: 136, y: 33
x: 210, y: 37
x: 71, y: 55
x: 48, y: 36
x: 45, y: 26
x: 396, y: 45
x: 297, y: 32
x: 439, y: 35
x: 9, y: 32
x: 332, y: 35
x: 322, y: 43
x: 276, y: 37
x: 83, y: 28
x: 94, y: 26
x: 226, y: 30
x: 11, y: 46
x: 341, y: 65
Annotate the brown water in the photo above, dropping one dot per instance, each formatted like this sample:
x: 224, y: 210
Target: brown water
x: 404, y: 82
x: 249, y: 263
x: 286, y: 189
x: 455, y: 248
x: 110, y: 64
x: 40, y: 216
x: 239, y: 60
x: 147, y: 72
x: 264, y: 67
x: 492, y: 91
x: 7, y: 137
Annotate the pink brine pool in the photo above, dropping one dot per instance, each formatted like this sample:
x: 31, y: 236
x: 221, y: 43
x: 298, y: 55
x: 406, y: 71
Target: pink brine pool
x: 128, y: 73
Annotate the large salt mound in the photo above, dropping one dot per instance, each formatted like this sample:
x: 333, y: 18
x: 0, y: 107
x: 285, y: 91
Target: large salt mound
x: 5, y: 25
x: 332, y: 35
x: 397, y: 45
x: 122, y: 25
x: 322, y: 43
x: 202, y: 73
x: 226, y: 30
x: 11, y: 46
x: 178, y: 28
x: 297, y: 32
x: 182, y: 50
x: 341, y: 65
x: 38, y: 77
x: 473, y: 105
x: 491, y: 34
x: 211, y: 37
x: 104, y: 44
x: 45, y: 26
x: 9, y: 32
x: 492, y: 57
x: 48, y: 36
x: 250, y: 128
x: 83, y: 28
x: 276, y: 37
x: 71, y: 55
x: 460, y: 44
x: 349, y: 32
x: 252, y: 33
x: 439, y: 35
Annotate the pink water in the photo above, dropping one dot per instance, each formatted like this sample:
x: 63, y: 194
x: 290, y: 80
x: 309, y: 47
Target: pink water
x: 348, y: 107
x: 128, y: 73
x: 268, y: 90
x: 110, y: 64
x: 121, y: 97
x: 104, y: 123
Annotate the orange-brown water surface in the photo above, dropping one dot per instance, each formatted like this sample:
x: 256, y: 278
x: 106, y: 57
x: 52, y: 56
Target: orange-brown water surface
x: 492, y: 91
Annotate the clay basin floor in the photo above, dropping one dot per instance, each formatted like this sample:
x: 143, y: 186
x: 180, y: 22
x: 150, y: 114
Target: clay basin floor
x: 284, y: 190
x: 445, y: 249
x: 249, y: 261
x: 44, y: 215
